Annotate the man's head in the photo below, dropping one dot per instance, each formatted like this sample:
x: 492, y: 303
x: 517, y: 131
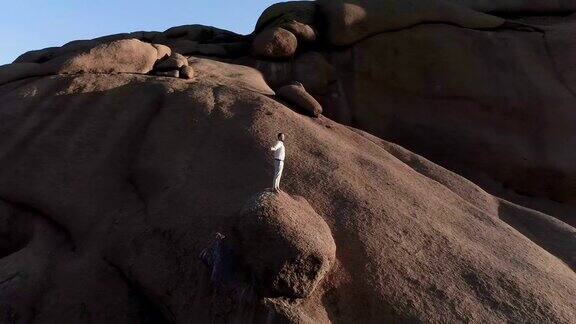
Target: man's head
x: 281, y: 137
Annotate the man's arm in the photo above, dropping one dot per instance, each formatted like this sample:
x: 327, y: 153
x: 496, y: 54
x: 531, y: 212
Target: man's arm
x: 275, y: 147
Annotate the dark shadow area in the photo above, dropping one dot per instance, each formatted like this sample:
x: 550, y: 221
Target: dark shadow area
x: 554, y: 236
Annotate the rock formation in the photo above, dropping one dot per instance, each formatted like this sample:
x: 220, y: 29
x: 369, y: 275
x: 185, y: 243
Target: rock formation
x: 288, y: 247
x: 437, y: 186
x: 297, y: 95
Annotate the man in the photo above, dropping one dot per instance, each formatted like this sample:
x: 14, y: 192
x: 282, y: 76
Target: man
x: 279, y: 154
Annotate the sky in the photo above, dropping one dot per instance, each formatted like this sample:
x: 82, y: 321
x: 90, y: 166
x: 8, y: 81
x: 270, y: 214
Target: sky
x: 35, y: 24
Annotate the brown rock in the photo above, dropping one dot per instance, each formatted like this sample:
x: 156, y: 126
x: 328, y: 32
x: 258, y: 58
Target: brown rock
x: 164, y: 51
x: 275, y: 43
x: 38, y: 56
x: 47, y: 54
x: 187, y: 72
x: 297, y: 95
x: 18, y: 71
x: 348, y: 21
x: 128, y: 56
x: 174, y: 62
x: 300, y: 11
x: 241, y: 76
x: 176, y: 160
x: 394, y: 96
x: 112, y: 184
x: 287, y: 246
x: 303, y: 32
x: 276, y: 73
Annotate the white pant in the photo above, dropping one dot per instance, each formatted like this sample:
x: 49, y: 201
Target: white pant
x: 278, y: 168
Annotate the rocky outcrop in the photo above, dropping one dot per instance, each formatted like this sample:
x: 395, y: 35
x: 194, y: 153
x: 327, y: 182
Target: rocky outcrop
x: 119, y: 56
x: 113, y: 180
x: 349, y: 21
x: 287, y: 246
x: 122, y: 56
x: 303, y: 32
x: 174, y: 62
x: 187, y: 72
x: 296, y: 94
x: 279, y: 13
x: 275, y: 43
x: 169, y: 152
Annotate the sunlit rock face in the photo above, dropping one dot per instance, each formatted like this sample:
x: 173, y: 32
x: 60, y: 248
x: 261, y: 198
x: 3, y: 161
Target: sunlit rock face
x: 430, y: 181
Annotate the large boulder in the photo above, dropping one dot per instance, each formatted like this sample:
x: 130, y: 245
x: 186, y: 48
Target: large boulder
x: 241, y: 76
x: 296, y: 94
x: 444, y: 98
x: 44, y: 55
x: 163, y: 51
x: 303, y: 32
x: 173, y: 62
x: 275, y: 43
x: 276, y: 73
x: 187, y: 72
x: 286, y: 244
x: 278, y: 13
x: 126, y: 178
x: 348, y: 21
x: 121, y: 56
x: 18, y: 71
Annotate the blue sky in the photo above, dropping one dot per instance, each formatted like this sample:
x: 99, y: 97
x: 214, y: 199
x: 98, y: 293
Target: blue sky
x: 34, y: 24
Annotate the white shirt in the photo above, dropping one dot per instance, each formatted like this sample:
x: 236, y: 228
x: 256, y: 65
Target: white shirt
x: 279, y: 151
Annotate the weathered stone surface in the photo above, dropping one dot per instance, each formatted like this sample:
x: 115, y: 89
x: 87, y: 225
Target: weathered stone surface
x: 37, y: 56
x: 303, y: 32
x: 348, y: 21
x: 163, y: 51
x: 278, y: 13
x: 286, y: 244
x: 276, y: 73
x: 239, y: 75
x: 174, y: 62
x: 187, y: 72
x: 314, y: 72
x: 297, y: 95
x: 275, y: 43
x: 176, y: 160
x: 448, y: 72
x: 18, y: 71
x: 128, y: 56
x: 113, y: 184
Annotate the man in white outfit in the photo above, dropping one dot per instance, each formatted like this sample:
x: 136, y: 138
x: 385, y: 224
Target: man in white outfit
x: 279, y: 154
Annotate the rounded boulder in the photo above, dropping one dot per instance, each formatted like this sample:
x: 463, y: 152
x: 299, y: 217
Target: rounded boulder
x: 275, y: 43
x: 187, y: 72
x: 285, y: 243
x: 120, y: 56
x: 303, y: 32
x: 174, y: 62
x: 296, y: 94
